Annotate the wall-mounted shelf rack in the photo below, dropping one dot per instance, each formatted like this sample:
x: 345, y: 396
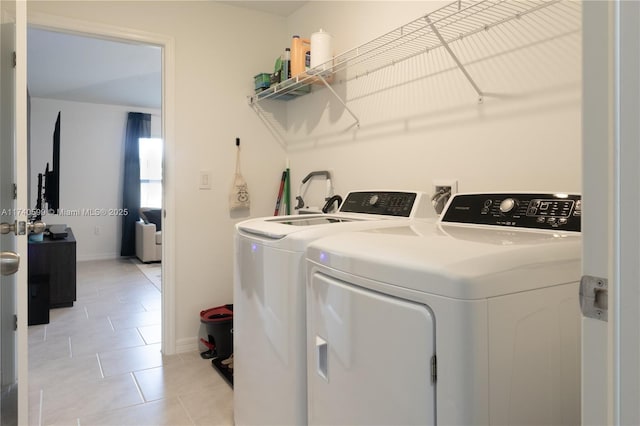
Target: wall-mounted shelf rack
x: 440, y: 28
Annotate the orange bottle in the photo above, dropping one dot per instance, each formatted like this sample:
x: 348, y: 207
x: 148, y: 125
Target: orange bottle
x: 300, y: 50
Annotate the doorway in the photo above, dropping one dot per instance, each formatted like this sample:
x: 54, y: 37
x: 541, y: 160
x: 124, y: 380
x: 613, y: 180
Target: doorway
x: 166, y: 46
x: 92, y: 84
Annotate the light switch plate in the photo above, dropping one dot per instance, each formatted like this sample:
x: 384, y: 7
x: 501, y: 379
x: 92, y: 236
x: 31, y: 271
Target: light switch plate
x: 205, y: 179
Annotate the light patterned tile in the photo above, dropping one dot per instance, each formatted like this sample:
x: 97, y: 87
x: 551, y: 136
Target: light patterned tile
x: 141, y: 297
x: 95, y: 300
x: 34, y: 407
x: 178, y: 379
x: 106, y: 341
x: 64, y: 372
x: 151, y: 334
x: 210, y: 408
x: 169, y: 412
x: 116, y: 308
x: 136, y: 319
x: 192, y: 356
x: 67, y: 315
x: 106, y: 308
x: 86, y: 291
x: 131, y: 292
x: 153, y: 304
x: 78, y: 329
x: 87, y: 398
x: 36, y: 333
x: 132, y: 359
x: 43, y: 351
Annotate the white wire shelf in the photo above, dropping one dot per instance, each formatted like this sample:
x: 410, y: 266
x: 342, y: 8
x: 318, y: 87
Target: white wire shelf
x: 440, y: 28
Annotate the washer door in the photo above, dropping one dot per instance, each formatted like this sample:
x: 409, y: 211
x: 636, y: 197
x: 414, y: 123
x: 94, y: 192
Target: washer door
x: 269, y: 335
x: 369, y: 357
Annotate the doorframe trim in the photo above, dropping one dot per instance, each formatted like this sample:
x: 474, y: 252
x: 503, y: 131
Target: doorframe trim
x: 626, y: 243
x: 22, y: 302
x: 167, y: 43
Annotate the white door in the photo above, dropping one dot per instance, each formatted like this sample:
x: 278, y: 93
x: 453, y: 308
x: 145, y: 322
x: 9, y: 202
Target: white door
x: 611, y: 227
x: 13, y: 187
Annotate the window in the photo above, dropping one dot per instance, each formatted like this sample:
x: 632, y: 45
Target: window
x: 150, y: 172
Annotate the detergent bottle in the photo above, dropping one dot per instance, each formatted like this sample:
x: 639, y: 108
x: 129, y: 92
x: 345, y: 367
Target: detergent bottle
x: 300, y: 52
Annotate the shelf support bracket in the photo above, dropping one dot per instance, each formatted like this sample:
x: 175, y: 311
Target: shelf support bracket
x: 272, y: 129
x: 455, y: 58
x: 357, y: 123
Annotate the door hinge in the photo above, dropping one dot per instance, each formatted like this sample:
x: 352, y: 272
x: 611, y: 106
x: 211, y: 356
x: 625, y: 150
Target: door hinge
x: 14, y: 59
x: 434, y: 369
x: 15, y: 191
x: 15, y: 322
x: 594, y: 297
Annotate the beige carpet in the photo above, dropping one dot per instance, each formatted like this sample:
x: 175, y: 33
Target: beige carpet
x: 153, y: 271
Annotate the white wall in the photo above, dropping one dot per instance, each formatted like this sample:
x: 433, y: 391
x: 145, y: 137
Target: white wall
x: 91, y: 158
x: 218, y: 50
x: 526, y: 136
x: 420, y: 120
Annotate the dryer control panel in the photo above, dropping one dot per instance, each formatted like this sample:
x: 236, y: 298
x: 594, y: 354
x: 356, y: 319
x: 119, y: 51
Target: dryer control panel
x: 524, y: 210
x: 388, y: 203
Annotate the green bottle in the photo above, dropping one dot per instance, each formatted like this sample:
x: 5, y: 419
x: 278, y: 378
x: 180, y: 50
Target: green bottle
x: 286, y: 61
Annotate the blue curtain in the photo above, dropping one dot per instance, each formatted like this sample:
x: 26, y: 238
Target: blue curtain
x: 138, y: 126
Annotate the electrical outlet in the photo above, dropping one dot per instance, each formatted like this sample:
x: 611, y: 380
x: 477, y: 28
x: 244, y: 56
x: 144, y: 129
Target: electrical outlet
x: 440, y: 189
x: 440, y: 184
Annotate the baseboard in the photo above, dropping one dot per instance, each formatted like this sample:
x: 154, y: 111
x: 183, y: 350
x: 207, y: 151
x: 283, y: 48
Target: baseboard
x: 89, y: 257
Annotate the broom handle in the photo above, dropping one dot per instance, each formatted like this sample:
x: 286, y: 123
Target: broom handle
x: 279, y: 199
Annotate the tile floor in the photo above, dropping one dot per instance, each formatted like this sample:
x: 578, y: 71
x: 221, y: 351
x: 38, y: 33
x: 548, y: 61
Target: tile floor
x: 99, y: 362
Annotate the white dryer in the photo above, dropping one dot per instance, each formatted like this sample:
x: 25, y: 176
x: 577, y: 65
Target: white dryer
x: 269, y: 299
x: 472, y: 320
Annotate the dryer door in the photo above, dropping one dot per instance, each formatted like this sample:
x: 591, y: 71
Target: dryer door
x: 369, y: 357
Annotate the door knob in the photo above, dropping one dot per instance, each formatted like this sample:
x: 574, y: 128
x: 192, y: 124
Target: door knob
x: 5, y: 228
x: 19, y: 228
x: 36, y: 227
x: 9, y: 262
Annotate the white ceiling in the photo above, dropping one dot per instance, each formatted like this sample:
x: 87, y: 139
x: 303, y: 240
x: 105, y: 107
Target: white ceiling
x: 281, y: 8
x: 85, y: 69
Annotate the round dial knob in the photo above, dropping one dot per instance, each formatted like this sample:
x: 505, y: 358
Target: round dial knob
x: 507, y: 205
x: 373, y: 200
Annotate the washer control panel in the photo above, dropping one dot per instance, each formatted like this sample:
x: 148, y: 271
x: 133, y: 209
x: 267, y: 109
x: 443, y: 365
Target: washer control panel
x: 389, y: 203
x: 524, y: 210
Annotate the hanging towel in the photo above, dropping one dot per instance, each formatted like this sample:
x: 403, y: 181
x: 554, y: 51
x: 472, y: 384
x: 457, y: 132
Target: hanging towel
x: 239, y: 194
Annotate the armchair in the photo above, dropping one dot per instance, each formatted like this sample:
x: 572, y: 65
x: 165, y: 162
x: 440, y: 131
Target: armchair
x: 149, y: 235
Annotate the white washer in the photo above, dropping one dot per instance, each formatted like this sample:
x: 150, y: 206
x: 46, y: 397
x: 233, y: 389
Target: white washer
x: 473, y: 319
x: 269, y: 299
